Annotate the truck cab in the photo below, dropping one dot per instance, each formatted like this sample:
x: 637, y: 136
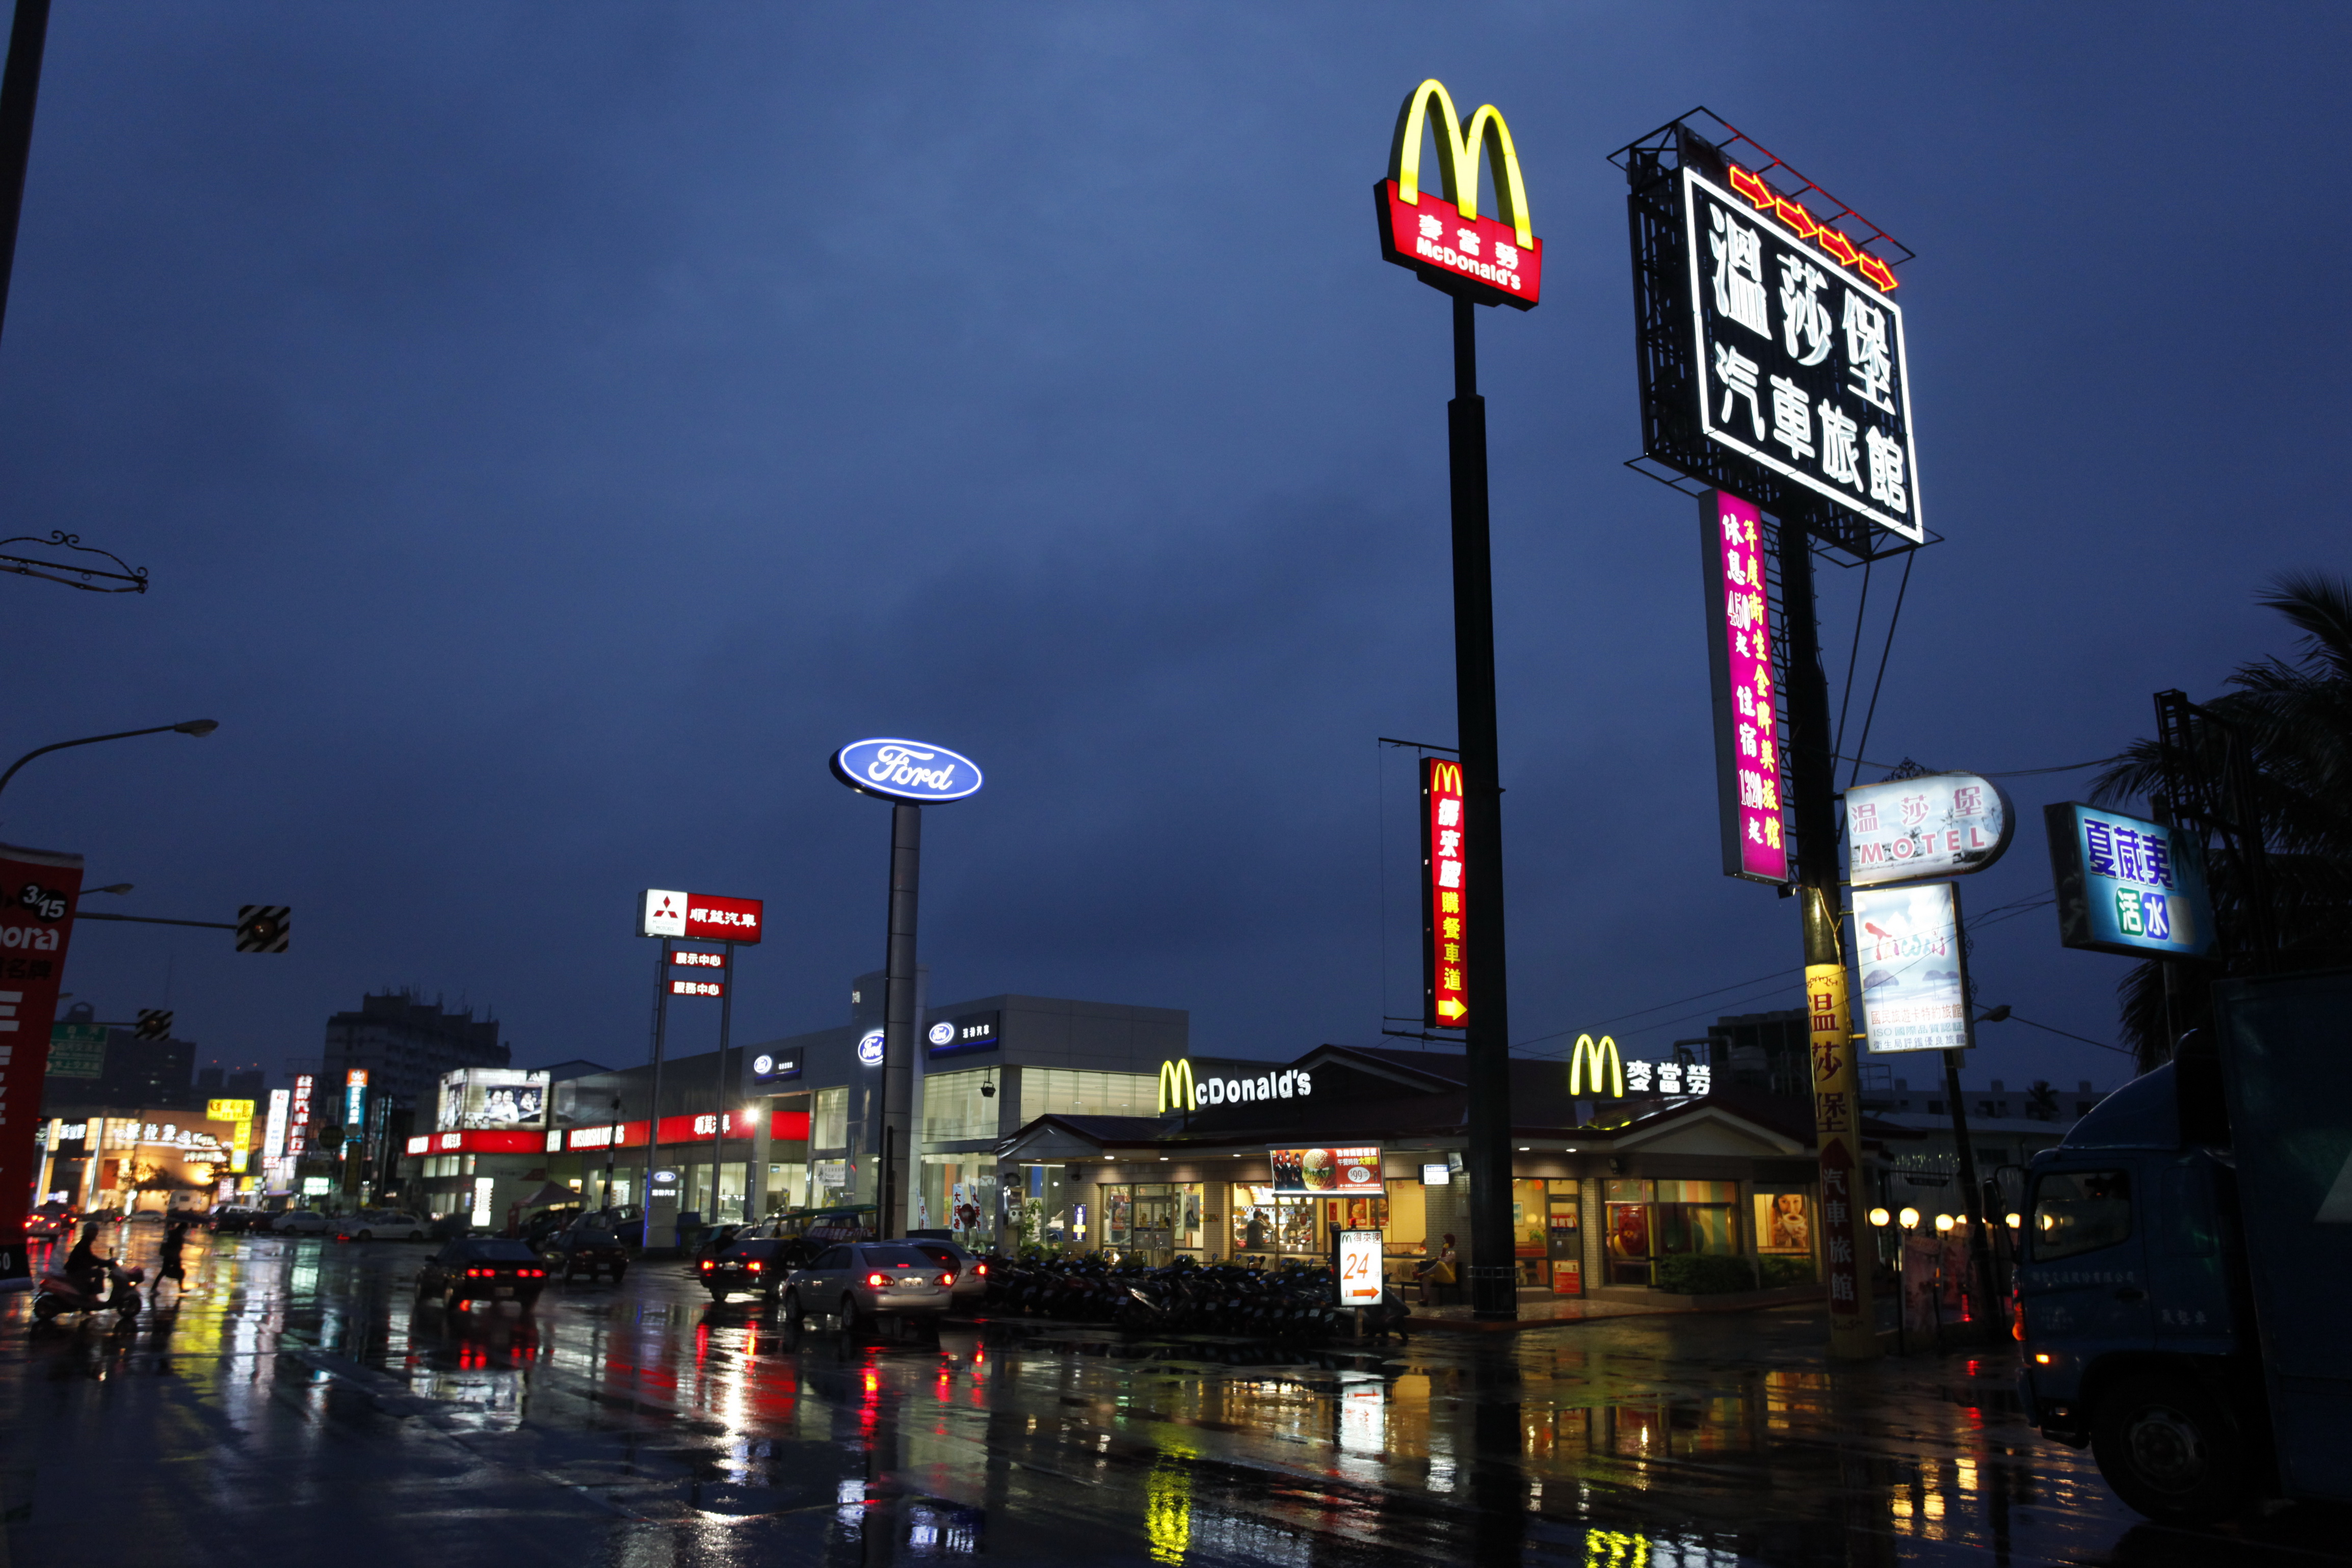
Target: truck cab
x: 2180, y: 1273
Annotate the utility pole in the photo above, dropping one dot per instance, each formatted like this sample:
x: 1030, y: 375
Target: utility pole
x: 1837, y: 1082
x: 20, y: 87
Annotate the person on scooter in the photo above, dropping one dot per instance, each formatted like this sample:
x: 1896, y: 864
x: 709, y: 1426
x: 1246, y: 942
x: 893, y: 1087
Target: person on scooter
x: 84, y: 1267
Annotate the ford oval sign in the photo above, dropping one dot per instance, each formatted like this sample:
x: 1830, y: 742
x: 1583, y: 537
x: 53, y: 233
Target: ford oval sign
x: 906, y: 771
x: 869, y: 1047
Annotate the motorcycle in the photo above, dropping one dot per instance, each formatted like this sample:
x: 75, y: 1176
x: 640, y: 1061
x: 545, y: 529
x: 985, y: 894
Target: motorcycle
x: 57, y: 1294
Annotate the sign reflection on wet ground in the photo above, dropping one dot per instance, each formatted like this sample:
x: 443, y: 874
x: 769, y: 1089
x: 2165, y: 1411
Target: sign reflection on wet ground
x: 301, y: 1405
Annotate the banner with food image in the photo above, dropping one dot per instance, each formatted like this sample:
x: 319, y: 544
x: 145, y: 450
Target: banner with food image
x: 1345, y: 1172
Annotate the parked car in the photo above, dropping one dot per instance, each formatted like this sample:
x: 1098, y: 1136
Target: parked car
x: 147, y: 1217
x: 232, y: 1218
x: 378, y: 1224
x: 868, y: 1279
x: 297, y: 1222
x: 970, y: 1269
x: 481, y: 1269
x: 587, y: 1246
x: 750, y: 1264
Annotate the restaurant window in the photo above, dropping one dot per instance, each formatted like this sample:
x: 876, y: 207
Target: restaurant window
x: 1068, y: 1091
x: 1408, y: 1227
x: 829, y: 1119
x: 1626, y: 1209
x: 1266, y: 1225
x: 954, y: 1110
x: 1564, y: 1238
x: 1696, y: 1217
x: 1155, y: 1221
x: 1530, y: 1213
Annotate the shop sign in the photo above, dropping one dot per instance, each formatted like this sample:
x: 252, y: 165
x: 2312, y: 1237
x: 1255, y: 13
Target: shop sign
x: 297, y: 1135
x: 355, y: 1097
x: 1353, y: 1171
x: 1914, y: 984
x: 273, y: 1131
x: 1437, y: 1173
x: 685, y: 960
x: 699, y: 916
x: 1801, y: 367
x: 1749, y: 782
x: 1596, y: 1071
x: 2128, y: 885
x: 970, y: 1032
x: 228, y: 1110
x: 870, y: 1046
x: 1359, y: 1267
x: 1917, y: 830
x: 36, y: 900
x: 912, y: 771
x: 774, y: 1066
x: 1443, y: 239
x: 698, y: 987
x: 1288, y: 1085
x: 1177, y: 1091
x: 1445, y: 975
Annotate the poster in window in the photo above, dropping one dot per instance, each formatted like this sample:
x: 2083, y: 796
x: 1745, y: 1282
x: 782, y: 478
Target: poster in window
x: 1781, y: 1223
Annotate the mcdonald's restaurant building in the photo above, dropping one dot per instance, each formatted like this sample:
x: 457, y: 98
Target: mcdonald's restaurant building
x: 1624, y: 1190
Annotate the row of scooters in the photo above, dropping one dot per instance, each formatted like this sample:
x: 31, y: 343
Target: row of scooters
x: 1295, y: 1303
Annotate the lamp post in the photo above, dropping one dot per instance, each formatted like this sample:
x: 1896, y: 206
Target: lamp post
x: 1879, y: 1220
x: 197, y: 727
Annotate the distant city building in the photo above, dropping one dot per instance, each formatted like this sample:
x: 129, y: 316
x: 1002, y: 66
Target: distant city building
x: 219, y: 1084
x: 1769, y: 1053
x: 404, y: 1045
x: 2007, y: 1126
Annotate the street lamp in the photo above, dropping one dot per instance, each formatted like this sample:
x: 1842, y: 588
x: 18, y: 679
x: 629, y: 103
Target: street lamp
x: 197, y: 726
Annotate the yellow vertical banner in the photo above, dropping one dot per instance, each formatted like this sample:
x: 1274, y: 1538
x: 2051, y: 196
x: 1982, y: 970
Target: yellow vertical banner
x: 1837, y: 1126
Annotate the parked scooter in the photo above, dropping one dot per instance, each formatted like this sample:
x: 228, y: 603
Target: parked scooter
x: 58, y: 1294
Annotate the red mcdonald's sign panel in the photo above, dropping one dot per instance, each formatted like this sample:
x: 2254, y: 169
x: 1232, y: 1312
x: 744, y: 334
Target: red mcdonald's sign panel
x: 1444, y: 238
x: 1445, y: 987
x: 37, y: 890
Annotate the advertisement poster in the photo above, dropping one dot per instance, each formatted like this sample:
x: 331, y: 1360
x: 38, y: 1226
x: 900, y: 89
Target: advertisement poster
x: 1919, y: 829
x: 1329, y: 1173
x: 1749, y: 785
x: 1445, y: 987
x: 1915, y: 990
x: 38, y: 888
x: 489, y: 1098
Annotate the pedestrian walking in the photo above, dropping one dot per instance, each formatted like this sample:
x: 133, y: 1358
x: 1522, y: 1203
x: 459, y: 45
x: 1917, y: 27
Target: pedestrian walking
x: 167, y: 1261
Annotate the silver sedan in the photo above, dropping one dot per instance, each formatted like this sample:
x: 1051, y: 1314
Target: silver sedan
x: 862, y: 1280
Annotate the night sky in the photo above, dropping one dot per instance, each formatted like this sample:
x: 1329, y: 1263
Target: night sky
x: 553, y: 429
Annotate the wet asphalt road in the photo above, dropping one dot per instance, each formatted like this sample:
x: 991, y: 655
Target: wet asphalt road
x: 299, y: 1407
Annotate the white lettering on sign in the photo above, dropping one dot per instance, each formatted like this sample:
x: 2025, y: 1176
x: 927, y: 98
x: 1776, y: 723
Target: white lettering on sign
x: 1237, y: 1091
x: 901, y: 765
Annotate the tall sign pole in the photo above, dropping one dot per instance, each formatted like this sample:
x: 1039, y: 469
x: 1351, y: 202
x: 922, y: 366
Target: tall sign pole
x: 1477, y: 261
x: 910, y: 774
x: 1775, y: 382
x: 675, y: 915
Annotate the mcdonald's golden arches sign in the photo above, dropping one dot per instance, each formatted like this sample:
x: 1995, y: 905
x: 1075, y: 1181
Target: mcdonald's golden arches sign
x: 1490, y: 260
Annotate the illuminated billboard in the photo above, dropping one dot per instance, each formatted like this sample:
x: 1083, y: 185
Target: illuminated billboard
x: 1444, y: 238
x: 698, y: 916
x: 1914, y: 982
x: 2128, y: 885
x: 1445, y: 986
x: 1350, y: 1172
x: 914, y: 771
x: 493, y: 1098
x: 1750, y: 781
x: 1933, y: 825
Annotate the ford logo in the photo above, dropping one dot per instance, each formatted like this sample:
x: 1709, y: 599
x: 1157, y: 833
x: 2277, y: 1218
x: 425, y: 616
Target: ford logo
x: 763, y: 1065
x: 906, y: 771
x: 943, y: 1032
x: 869, y: 1047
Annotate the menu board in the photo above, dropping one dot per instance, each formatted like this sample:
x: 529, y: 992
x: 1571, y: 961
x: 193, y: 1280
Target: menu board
x: 1329, y: 1173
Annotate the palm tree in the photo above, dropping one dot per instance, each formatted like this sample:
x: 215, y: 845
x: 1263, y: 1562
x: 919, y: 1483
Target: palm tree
x: 2296, y: 719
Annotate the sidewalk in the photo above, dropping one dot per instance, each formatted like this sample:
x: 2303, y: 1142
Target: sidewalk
x: 1550, y: 1312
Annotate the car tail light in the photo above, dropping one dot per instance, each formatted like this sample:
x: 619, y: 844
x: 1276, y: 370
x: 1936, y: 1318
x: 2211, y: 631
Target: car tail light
x: 475, y: 1273
x: 532, y: 1273
x: 706, y: 1265
x: 982, y: 1269
x: 946, y: 1279
x: 753, y: 1265
x: 873, y: 1279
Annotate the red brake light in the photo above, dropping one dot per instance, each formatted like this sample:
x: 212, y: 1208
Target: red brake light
x: 982, y: 1269
x: 754, y: 1265
x: 706, y: 1264
x: 946, y: 1279
x: 873, y: 1279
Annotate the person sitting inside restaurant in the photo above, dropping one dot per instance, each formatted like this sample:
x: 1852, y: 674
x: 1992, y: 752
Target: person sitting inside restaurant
x: 1436, y: 1273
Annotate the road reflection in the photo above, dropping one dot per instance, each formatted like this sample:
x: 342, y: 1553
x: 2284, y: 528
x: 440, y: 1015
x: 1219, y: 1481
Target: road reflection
x: 676, y: 1432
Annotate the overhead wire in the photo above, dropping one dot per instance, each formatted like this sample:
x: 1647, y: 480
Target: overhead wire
x: 1870, y: 713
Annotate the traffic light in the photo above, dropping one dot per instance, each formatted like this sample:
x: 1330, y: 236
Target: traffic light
x: 263, y: 927
x: 153, y: 1024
